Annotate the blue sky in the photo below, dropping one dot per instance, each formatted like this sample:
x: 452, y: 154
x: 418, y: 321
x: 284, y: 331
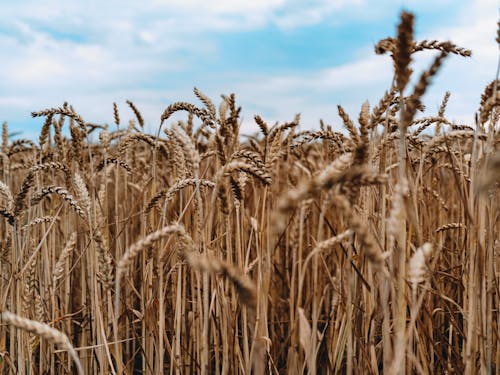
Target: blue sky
x: 279, y: 57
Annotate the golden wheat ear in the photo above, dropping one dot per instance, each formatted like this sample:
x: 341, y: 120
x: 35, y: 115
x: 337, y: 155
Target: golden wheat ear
x: 44, y: 331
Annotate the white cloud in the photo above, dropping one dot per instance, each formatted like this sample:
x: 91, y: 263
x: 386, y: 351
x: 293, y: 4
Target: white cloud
x: 226, y: 7
x: 59, y: 50
x: 296, y: 14
x: 93, y: 53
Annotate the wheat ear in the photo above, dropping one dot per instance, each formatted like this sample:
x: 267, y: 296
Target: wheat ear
x: 43, y: 330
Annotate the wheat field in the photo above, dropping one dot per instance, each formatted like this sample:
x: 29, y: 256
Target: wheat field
x: 196, y: 250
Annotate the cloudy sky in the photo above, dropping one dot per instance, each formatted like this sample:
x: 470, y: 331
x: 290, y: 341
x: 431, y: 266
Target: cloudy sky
x: 279, y: 57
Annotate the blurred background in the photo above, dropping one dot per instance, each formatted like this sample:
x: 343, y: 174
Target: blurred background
x: 279, y: 57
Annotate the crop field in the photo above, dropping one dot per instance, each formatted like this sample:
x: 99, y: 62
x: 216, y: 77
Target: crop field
x: 195, y: 249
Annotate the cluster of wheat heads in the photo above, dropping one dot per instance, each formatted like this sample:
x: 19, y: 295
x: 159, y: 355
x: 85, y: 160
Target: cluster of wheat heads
x: 192, y: 251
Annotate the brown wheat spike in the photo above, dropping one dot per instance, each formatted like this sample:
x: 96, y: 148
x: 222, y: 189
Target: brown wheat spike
x: 104, y: 260
x: 58, y: 272
x: 179, y: 156
x: 223, y: 109
x: 449, y: 226
x: 260, y: 174
x: 396, y: 222
x: 34, y: 341
x: 9, y: 216
x: 460, y: 127
x: 203, y: 115
x: 419, y: 90
x: 436, y: 195
x: 30, y: 282
x: 251, y: 156
x: 416, y: 269
x: 243, y: 284
x: 447, y: 47
x: 390, y: 45
x: 40, y: 220
x: 116, y: 114
x: 169, y: 193
x: 93, y: 127
x: 187, y: 126
x: 264, y: 128
x: 338, y: 166
x: 487, y: 108
x: 39, y: 308
x: 308, y: 136
x: 442, y: 108
x: 18, y: 149
x: 454, y: 135
x: 255, y: 146
x: 145, y: 243
x: 19, y: 166
x: 132, y: 138
x: 488, y: 91
x: 137, y: 113
x: 234, y: 112
x: 116, y: 161
x: 445, y: 149
x: 361, y: 153
x: 6, y: 195
x: 190, y: 153
x: 43, y: 330
x: 404, y: 49
x: 20, y: 142
x: 424, y: 126
x: 44, y: 132
x: 131, y: 126
x: 381, y: 108
x: 329, y: 243
x: 104, y: 139
x: 58, y: 138
x: 5, y: 137
x: 117, y: 134
x: 425, y: 122
x: 444, y: 103
x: 237, y: 189
x: 349, y: 125
x: 76, y: 143
x: 385, y: 45
x: 49, y: 166
x: 223, y: 199
x: 275, y: 142
x: 4, y: 159
x: 279, y: 129
x: 65, y: 111
x: 208, y: 103
x: 63, y: 193
x: 220, y: 149
x: 82, y: 191
x: 20, y: 200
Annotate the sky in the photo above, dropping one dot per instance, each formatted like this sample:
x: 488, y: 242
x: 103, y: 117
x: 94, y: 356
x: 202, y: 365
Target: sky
x: 280, y: 57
